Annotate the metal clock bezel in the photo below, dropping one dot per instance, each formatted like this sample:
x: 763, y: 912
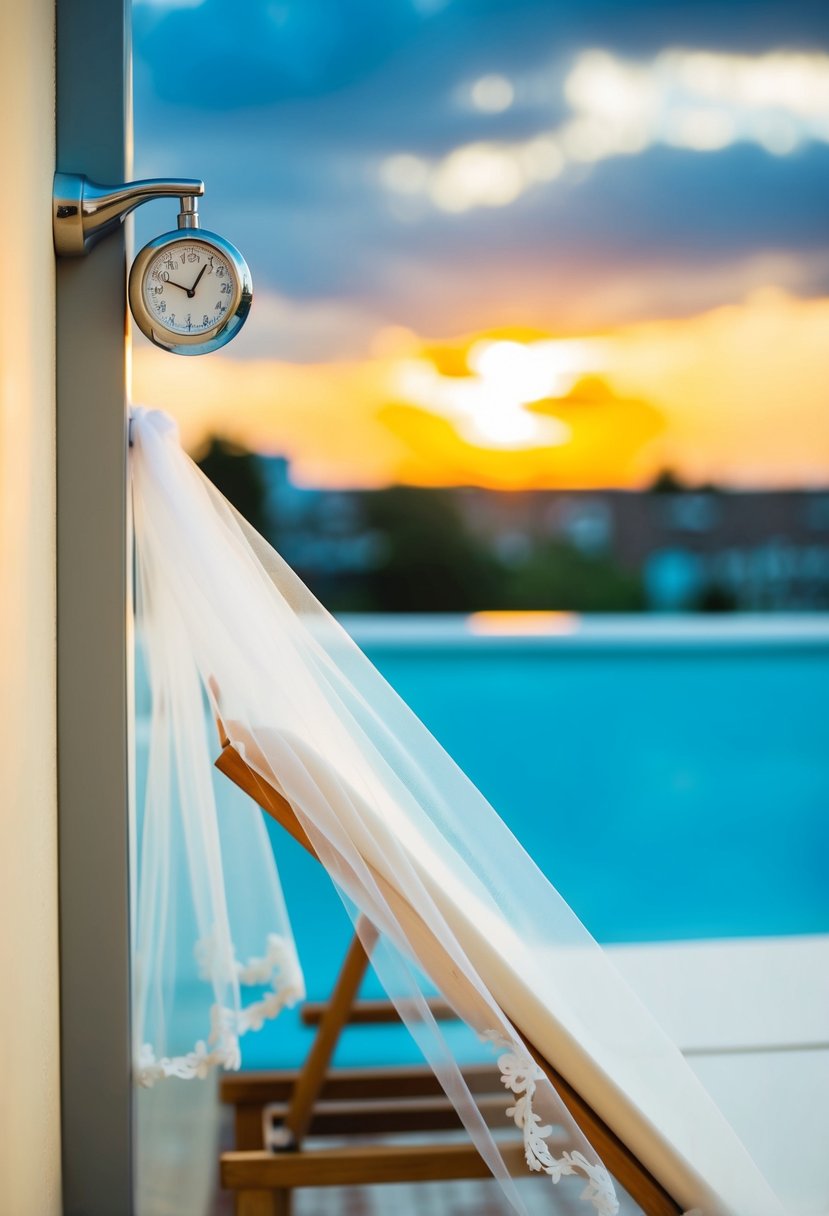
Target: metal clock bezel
x: 209, y: 339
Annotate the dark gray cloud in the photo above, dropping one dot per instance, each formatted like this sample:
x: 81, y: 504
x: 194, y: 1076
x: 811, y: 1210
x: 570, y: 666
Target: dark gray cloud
x: 234, y: 55
x: 286, y: 109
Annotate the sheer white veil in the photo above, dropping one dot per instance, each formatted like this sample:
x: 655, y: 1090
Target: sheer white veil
x: 213, y: 951
x: 412, y: 846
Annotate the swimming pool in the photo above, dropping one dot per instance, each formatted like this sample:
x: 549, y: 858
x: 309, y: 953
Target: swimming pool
x: 670, y: 778
x: 672, y: 782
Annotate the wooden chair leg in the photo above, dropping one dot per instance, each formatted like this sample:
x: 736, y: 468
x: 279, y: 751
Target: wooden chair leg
x: 283, y: 1203
x: 247, y: 1127
x: 310, y: 1079
x: 313, y: 1073
x: 260, y: 1203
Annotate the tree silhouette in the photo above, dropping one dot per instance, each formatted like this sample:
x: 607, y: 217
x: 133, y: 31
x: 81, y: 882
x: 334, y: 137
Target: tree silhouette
x: 237, y: 472
x: 432, y: 563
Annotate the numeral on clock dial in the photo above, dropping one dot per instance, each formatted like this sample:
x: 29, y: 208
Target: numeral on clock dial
x: 180, y: 276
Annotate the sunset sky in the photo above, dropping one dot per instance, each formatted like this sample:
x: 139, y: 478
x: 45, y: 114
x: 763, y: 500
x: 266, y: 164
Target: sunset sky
x: 504, y: 243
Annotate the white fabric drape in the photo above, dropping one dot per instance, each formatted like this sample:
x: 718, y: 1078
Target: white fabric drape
x: 408, y: 840
x: 212, y: 958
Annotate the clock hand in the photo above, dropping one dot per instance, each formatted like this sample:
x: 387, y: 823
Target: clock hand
x: 181, y: 286
x: 192, y: 290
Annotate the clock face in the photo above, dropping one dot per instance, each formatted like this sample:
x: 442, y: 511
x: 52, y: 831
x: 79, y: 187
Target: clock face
x: 189, y: 287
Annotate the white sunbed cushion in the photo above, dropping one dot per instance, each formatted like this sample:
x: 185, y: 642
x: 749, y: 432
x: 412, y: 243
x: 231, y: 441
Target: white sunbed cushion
x: 573, y: 1006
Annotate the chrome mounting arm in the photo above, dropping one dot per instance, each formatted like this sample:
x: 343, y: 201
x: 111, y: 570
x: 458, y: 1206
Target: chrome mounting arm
x: 83, y: 212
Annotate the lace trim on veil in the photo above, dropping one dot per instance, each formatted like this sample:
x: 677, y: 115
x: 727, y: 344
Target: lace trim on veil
x: 520, y: 1074
x: 278, y: 967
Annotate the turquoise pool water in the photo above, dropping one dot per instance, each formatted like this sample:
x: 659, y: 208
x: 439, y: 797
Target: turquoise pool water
x: 671, y: 787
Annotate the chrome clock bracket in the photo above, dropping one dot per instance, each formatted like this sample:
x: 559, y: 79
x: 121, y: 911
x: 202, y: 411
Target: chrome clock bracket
x: 83, y: 212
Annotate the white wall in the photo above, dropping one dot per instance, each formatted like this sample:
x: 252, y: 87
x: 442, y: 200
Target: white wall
x: 29, y: 1078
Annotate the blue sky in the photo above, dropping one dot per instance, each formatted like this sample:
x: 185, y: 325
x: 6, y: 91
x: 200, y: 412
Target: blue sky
x: 290, y: 110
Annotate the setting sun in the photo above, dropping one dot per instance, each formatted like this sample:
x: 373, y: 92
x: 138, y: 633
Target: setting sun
x: 735, y: 395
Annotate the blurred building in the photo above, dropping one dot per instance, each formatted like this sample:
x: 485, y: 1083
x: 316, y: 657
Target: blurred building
x: 320, y: 533
x: 694, y: 549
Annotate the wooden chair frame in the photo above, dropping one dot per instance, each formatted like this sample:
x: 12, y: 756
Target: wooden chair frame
x: 316, y: 1100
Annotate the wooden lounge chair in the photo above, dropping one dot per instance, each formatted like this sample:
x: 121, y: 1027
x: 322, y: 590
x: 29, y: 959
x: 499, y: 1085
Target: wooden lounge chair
x: 660, y: 1136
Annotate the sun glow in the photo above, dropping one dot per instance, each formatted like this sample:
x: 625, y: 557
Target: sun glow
x: 488, y: 407
x: 522, y: 624
x: 736, y: 395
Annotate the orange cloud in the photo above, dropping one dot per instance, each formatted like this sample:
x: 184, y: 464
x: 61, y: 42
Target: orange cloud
x: 607, y: 436
x: 737, y: 395
x: 744, y: 389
